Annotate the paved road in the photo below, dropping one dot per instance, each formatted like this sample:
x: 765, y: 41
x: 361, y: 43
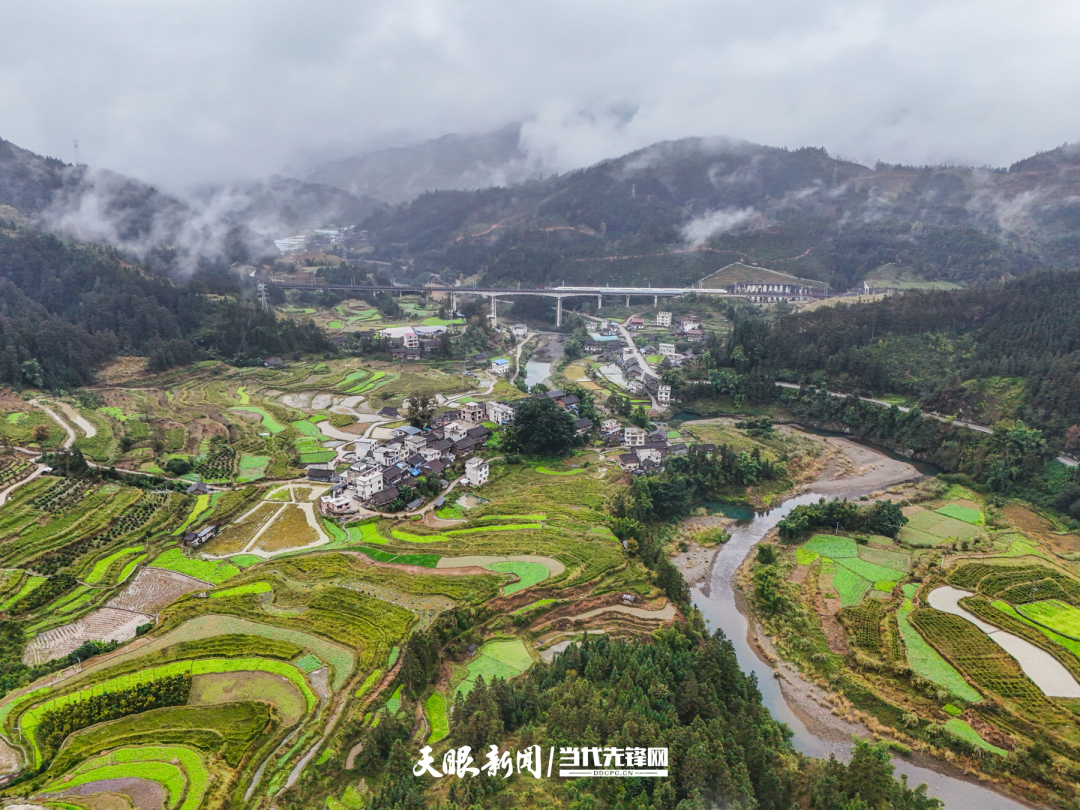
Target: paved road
x: 71, y: 436
x: 7, y: 492
x: 640, y: 358
x: 1068, y: 461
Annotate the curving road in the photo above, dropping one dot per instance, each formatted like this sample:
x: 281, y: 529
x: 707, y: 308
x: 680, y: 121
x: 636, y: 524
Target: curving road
x: 1068, y: 461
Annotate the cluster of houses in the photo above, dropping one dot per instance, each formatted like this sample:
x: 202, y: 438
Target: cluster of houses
x: 381, y: 468
x: 410, y: 343
x: 646, y: 452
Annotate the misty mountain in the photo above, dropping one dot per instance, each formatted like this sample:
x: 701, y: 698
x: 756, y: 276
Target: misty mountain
x: 97, y: 205
x: 451, y: 162
x: 67, y: 308
x: 676, y: 211
x: 286, y: 203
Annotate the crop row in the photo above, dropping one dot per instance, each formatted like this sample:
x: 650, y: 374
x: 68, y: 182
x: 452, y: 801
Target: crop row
x: 864, y: 622
x: 977, y: 657
x: 130, y: 520
x: 927, y: 662
x: 18, y: 715
x: 63, y: 493
x: 1022, y: 583
x: 218, y: 465
x: 13, y: 469
x: 178, y: 769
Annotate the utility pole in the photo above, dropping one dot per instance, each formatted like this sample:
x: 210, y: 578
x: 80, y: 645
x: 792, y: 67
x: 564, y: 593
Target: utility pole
x: 264, y: 297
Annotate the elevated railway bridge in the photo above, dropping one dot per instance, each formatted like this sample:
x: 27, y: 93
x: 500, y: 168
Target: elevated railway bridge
x: 494, y: 293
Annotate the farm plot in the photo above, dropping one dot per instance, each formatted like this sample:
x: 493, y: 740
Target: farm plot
x: 1056, y: 615
x: 240, y: 590
x: 504, y: 658
x: 252, y: 468
x: 435, y: 709
x: 178, y: 769
x: 1069, y: 644
x: 29, y: 718
x: 959, y: 728
x: 154, y: 588
x: 31, y: 584
x: 932, y: 528
x: 968, y: 514
x: 209, y: 626
x: 858, y: 568
x: 528, y: 573
x: 237, y: 536
x: 101, y: 567
x: 268, y: 421
x: 980, y: 660
x: 294, y: 527
x: 227, y: 732
x: 106, y: 624
x: 215, y: 688
x: 212, y: 572
x: 927, y: 663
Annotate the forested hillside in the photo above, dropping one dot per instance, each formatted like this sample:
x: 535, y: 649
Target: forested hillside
x: 1004, y: 351
x: 676, y: 211
x: 66, y: 309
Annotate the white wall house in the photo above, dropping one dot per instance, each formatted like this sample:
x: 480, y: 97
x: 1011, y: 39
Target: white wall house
x: 366, y: 479
x: 500, y: 413
x: 663, y: 393
x: 500, y: 366
x: 476, y: 471
x: 455, y: 431
x: 610, y: 426
x: 666, y: 349
x: 633, y: 436
x: 663, y: 319
x: 387, y: 454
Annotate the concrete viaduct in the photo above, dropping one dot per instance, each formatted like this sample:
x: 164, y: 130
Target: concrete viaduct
x: 493, y: 293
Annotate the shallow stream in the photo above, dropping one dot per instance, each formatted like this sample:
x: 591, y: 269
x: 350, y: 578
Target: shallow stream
x: 718, y: 605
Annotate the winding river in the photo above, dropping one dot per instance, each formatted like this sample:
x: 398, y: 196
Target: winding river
x: 717, y: 603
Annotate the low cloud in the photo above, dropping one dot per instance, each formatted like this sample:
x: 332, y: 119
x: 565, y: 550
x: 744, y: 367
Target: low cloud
x: 188, y: 93
x: 700, y: 230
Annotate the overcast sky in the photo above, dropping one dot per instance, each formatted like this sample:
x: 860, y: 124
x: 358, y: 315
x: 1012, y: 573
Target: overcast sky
x: 189, y: 91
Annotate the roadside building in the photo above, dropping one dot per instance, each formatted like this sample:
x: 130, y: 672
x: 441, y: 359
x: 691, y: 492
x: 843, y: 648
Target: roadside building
x: 501, y: 413
x: 476, y: 471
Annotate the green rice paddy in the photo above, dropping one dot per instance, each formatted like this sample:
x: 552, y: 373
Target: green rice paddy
x: 504, y: 658
x: 927, y: 663
x: 28, y: 586
x: 268, y: 421
x: 530, y: 574
x: 959, y: 728
x: 1055, y: 615
x: 240, y: 590
x: 101, y: 567
x: 435, y: 710
x: 964, y: 513
x: 209, y: 571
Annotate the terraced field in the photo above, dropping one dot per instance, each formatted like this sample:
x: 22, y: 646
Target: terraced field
x: 289, y: 631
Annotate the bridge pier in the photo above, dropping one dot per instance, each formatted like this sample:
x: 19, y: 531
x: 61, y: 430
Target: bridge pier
x: 494, y: 312
x: 628, y: 302
x: 599, y: 303
x: 558, y: 310
x: 655, y: 301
